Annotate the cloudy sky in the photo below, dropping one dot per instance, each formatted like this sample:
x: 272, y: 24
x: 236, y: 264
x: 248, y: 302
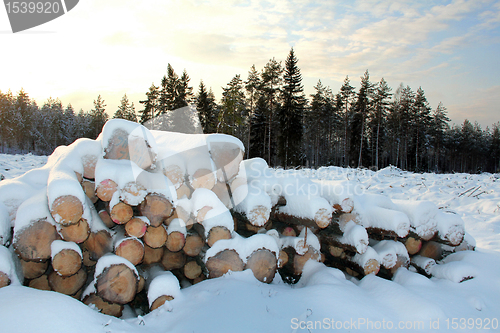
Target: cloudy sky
x: 449, y: 48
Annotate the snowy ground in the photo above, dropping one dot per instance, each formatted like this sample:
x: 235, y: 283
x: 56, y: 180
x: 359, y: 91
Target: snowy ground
x: 324, y: 299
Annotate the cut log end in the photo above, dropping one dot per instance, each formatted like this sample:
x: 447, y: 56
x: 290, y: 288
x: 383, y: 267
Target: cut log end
x: 160, y: 301
x: 155, y: 237
x: 67, y: 285
x: 78, y: 232
x: 192, y: 270
x: 413, y: 245
x: 34, y: 269
x: 156, y: 208
x: 40, y: 283
x: 193, y: 245
x: 67, y: 262
x: 67, y: 209
x: 4, y: 280
x: 263, y: 265
x: 105, y: 189
x: 152, y: 256
x: 110, y: 309
x: 136, y: 227
x: 173, y: 260
x: 203, y: 178
x: 217, y: 233
x: 322, y: 218
x: 223, y: 262
x: 131, y: 249
x: 372, y: 266
x: 258, y: 216
x: 117, y: 284
x: 121, y: 213
x: 175, y: 241
x: 33, y: 242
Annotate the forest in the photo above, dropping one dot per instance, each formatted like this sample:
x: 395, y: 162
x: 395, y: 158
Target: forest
x: 269, y: 112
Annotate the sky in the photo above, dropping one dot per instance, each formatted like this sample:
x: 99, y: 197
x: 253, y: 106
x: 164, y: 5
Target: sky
x: 114, y: 47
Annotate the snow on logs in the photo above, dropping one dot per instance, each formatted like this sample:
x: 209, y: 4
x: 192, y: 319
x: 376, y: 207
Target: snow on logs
x: 135, y: 204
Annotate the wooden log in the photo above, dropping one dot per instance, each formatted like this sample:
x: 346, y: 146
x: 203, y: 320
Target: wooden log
x: 176, y: 235
x: 296, y: 220
x: 160, y: 301
x: 34, y: 269
x: 300, y: 260
x: 222, y: 262
x: 89, y: 162
x: 87, y: 260
x: 104, y: 307
x: 221, y: 189
x: 66, y: 262
x: 413, y: 245
x: 106, y: 189
x: 282, y: 259
x: 77, y: 233
x: 217, y: 233
x: 203, y: 178
x: 40, y: 283
x: 173, y: 260
x: 156, y: 208
x: 263, y: 264
x: 121, y: 213
x: 227, y: 158
x: 122, y: 146
x: 193, y: 245
x: 136, y: 227
x: 67, y: 285
x: 106, y: 218
x: 357, y: 265
x: 151, y: 255
x: 354, y: 238
x: 174, y: 173
x: 131, y: 249
x: 4, y: 280
x: 33, y: 242
x: 117, y: 284
x: 423, y: 265
x: 388, y: 273
x: 67, y: 209
x: 98, y: 244
x: 155, y: 237
x: 192, y: 269
x: 162, y: 287
x: 432, y: 250
x: 89, y: 189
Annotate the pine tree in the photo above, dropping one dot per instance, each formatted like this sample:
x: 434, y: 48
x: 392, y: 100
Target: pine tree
x: 207, y: 110
x: 98, y: 116
x: 126, y: 110
x: 346, y: 93
x: 151, y: 104
x: 252, y: 86
x: 495, y: 147
x: 379, y: 114
x: 291, y: 113
x: 421, y: 120
x: 233, y: 108
x: 439, y: 124
x: 184, y: 93
x: 272, y: 81
x: 362, y: 108
x: 257, y: 146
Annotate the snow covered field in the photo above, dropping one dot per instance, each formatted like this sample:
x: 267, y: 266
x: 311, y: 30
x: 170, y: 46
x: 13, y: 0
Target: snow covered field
x: 323, y: 299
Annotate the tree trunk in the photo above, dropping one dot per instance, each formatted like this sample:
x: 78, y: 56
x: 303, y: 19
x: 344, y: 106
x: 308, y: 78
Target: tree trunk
x: 33, y: 242
x: 77, y: 233
x: 263, y: 264
x: 222, y: 262
x: 67, y: 209
x: 69, y: 285
x: 117, y: 284
x: 156, y: 208
x: 67, y: 262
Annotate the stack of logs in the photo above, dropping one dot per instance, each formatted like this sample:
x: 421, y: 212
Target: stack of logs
x: 108, y: 246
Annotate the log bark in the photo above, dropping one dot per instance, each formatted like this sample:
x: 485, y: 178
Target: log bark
x: 263, y: 264
x: 131, y: 249
x: 107, y: 308
x: 105, y: 189
x: 117, y: 284
x: 222, y: 262
x: 78, y: 232
x: 40, y: 283
x: 67, y: 262
x: 67, y: 209
x: 34, y: 269
x: 193, y: 245
x: 173, y: 260
x: 156, y: 208
x: 67, y: 285
x: 151, y: 255
x: 136, y: 227
x: 89, y: 189
x: 33, y: 242
x: 317, y: 222
x: 155, y: 237
x: 121, y: 213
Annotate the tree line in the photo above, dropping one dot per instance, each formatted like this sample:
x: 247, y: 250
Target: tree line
x: 269, y: 112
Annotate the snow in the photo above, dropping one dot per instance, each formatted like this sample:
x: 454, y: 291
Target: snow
x: 238, y: 302
x: 164, y: 283
x: 109, y: 260
x: 356, y: 236
x: 177, y: 225
x: 59, y: 245
x: 422, y: 215
x: 5, y: 224
x: 219, y: 215
x: 32, y: 210
x: 302, y: 242
x: 247, y: 197
x: 388, y: 250
x: 8, y: 266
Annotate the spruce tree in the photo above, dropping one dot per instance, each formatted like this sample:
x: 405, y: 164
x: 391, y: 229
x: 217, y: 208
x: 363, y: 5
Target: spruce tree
x: 126, y: 110
x: 252, y: 86
x: 233, y: 108
x: 362, y: 107
x: 98, y: 116
x: 184, y: 93
x: 291, y: 113
x: 378, y: 117
x: 151, y: 104
x: 207, y: 110
x: 439, y: 124
x: 346, y: 93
